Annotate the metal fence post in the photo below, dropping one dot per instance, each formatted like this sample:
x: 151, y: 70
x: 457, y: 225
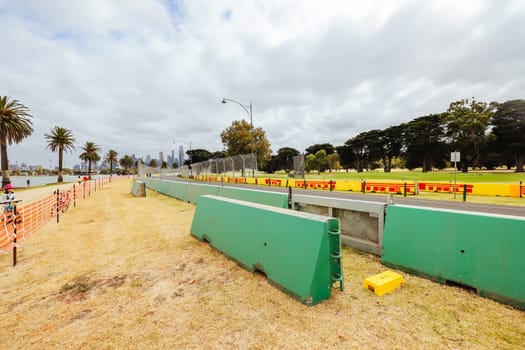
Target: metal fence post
x: 15, y: 212
x: 58, y: 205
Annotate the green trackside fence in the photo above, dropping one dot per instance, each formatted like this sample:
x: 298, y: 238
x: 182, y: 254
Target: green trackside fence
x: 138, y: 189
x: 274, y: 199
x: 190, y: 192
x: 480, y: 251
x: 483, y: 252
x: 300, y: 253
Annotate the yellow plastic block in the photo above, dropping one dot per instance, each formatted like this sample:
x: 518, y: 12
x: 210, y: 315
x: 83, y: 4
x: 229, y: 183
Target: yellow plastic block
x: 384, y: 282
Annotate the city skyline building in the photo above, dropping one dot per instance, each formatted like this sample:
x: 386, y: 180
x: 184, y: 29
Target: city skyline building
x: 181, y: 156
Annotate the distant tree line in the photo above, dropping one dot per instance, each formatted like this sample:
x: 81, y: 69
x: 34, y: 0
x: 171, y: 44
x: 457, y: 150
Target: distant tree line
x: 487, y: 135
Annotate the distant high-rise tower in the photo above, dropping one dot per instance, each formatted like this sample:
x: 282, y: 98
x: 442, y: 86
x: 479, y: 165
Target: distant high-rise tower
x: 161, y: 156
x: 181, y: 155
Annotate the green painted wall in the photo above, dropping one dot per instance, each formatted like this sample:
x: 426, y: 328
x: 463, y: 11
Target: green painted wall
x: 177, y: 189
x: 485, y: 252
x: 194, y: 191
x: 275, y: 199
x: 298, y: 252
x: 138, y: 189
x: 190, y: 192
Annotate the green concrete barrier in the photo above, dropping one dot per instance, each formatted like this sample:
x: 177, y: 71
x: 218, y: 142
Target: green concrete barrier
x: 274, y: 199
x: 138, y: 189
x: 151, y: 183
x: 177, y: 189
x: 161, y: 186
x: 190, y: 192
x: 480, y: 251
x: 299, y: 252
x: 194, y: 191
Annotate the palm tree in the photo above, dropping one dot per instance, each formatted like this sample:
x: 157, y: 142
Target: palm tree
x: 111, y: 157
x: 15, y: 126
x: 90, y: 154
x: 126, y: 162
x: 60, y: 139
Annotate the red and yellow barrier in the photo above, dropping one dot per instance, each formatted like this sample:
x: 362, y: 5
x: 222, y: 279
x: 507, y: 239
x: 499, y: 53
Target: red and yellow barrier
x: 444, y: 187
x: 398, y: 187
x: 389, y: 187
x: 316, y: 184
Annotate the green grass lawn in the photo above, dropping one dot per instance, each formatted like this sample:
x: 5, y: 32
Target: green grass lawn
x: 498, y: 176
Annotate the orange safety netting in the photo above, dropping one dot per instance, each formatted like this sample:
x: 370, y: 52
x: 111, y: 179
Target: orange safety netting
x: 32, y: 216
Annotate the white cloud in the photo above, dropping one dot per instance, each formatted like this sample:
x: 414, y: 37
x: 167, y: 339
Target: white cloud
x: 137, y: 75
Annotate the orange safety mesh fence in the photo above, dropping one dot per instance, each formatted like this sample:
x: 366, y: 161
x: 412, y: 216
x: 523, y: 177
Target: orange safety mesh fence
x: 33, y: 215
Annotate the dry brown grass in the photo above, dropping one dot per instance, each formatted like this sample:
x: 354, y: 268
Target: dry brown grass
x: 123, y: 273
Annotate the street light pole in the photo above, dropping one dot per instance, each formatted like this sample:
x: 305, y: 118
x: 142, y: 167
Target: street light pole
x: 248, y: 109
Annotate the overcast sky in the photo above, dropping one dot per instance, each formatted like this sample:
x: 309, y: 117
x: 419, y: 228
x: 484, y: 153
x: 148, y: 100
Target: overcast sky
x: 143, y: 76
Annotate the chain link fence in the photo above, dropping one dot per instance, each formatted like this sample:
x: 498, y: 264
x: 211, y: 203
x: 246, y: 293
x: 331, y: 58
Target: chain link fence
x: 298, y: 166
x: 244, y: 165
x: 145, y: 171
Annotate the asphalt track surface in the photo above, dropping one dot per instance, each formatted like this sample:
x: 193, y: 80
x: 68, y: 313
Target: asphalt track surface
x: 460, y: 205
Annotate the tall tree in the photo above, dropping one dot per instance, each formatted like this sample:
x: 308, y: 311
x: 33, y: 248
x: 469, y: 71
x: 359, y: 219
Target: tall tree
x: 218, y: 154
x: 198, y: 155
x: 272, y: 165
x: 90, y: 154
x: 365, y: 149
x: 346, y: 157
x: 322, y: 160
x: 466, y: 123
x: 284, y: 158
x: 60, y: 139
x: 310, y: 163
x: 424, y: 143
x: 374, y: 140
x: 111, y: 157
x: 15, y: 126
x: 391, y: 144
x: 509, y: 128
x: 357, y: 147
x: 333, y: 161
x: 126, y: 162
x: 239, y: 138
x: 313, y: 149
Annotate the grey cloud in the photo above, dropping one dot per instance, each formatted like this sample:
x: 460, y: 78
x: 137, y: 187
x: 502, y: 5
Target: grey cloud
x: 140, y: 77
